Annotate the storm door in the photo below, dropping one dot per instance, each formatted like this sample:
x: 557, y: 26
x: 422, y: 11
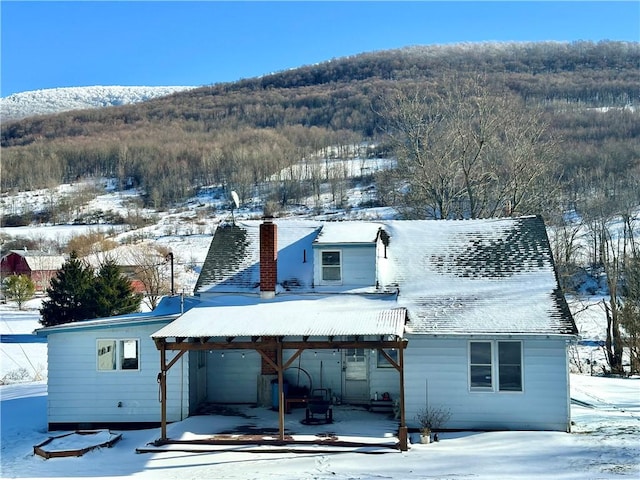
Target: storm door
x: 355, y: 366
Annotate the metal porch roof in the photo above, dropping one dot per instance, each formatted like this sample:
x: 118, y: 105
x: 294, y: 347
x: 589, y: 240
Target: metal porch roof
x: 311, y: 316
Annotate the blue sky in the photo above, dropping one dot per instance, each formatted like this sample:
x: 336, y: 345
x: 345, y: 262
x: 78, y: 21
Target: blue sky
x: 64, y: 44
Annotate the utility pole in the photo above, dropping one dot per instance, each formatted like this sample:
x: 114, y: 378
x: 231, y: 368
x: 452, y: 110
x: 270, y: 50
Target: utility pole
x: 170, y: 258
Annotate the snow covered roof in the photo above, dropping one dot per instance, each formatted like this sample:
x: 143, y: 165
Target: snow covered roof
x: 40, y: 261
x: 454, y: 277
x: 125, y: 256
x: 344, y: 233
x: 300, y: 316
x: 482, y: 276
x: 232, y: 263
x: 168, y: 309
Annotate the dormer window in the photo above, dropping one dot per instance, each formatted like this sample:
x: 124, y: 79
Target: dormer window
x: 331, y: 266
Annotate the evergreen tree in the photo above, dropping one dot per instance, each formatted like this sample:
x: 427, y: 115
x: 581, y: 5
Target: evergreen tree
x: 114, y: 294
x: 71, y: 294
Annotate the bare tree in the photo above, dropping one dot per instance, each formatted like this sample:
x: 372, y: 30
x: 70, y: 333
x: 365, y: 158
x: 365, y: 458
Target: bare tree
x: 416, y: 128
x: 467, y: 151
x: 614, y: 228
x: 153, y: 271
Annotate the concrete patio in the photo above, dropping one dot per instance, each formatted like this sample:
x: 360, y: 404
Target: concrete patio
x: 245, y: 428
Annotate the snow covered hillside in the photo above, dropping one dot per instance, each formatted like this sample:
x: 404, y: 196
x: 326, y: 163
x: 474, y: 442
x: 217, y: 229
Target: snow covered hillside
x: 57, y: 100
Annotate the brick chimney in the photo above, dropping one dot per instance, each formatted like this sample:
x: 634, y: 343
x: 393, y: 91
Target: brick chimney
x: 268, y: 258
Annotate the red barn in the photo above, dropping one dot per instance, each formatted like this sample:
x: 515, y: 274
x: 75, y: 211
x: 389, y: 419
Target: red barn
x: 40, y: 267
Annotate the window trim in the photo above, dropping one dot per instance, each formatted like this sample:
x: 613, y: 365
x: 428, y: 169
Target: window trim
x: 495, y: 367
x: 118, y: 354
x: 338, y: 267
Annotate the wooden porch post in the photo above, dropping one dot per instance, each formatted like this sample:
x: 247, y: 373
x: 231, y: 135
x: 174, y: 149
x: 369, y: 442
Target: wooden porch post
x: 162, y: 380
x: 402, y: 432
x: 281, y: 399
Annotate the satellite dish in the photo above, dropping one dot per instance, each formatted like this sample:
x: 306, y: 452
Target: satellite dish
x: 236, y: 202
x: 235, y: 198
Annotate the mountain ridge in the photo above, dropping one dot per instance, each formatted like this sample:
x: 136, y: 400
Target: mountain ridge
x: 63, y: 99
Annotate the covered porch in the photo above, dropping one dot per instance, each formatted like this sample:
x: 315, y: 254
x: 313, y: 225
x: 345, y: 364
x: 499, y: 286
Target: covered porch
x: 280, y: 331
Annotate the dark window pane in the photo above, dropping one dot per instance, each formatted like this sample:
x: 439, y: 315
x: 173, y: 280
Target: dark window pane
x: 481, y: 376
x: 510, y: 366
x: 331, y: 273
x: 510, y: 379
x: 330, y: 258
x: 481, y: 353
x: 509, y: 352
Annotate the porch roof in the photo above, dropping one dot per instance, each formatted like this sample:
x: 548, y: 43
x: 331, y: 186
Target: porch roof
x: 344, y: 315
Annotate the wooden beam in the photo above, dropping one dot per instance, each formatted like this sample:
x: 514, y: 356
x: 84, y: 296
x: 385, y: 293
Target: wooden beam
x: 162, y: 380
x: 389, y: 359
x: 266, y: 358
x: 175, y: 359
x: 403, y: 432
x: 280, y: 392
x: 292, y: 359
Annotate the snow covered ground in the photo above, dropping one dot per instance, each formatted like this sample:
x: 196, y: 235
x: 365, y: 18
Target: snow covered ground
x: 605, y: 443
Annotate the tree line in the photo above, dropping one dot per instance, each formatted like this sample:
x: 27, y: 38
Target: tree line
x: 247, y: 133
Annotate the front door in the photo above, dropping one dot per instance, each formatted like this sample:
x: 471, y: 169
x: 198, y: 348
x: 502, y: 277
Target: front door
x: 355, y: 376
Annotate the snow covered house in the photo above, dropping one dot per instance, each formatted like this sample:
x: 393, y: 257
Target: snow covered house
x: 464, y: 315
x: 40, y: 267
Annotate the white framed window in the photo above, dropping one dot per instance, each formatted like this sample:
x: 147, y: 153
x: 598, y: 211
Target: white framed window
x: 495, y: 366
x: 331, y: 265
x: 118, y: 354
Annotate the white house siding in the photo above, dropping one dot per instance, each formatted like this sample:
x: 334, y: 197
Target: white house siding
x: 234, y: 379
x: 79, y: 393
x: 437, y: 372
x: 358, y: 264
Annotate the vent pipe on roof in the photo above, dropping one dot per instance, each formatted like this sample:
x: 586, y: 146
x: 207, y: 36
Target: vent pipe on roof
x: 268, y: 258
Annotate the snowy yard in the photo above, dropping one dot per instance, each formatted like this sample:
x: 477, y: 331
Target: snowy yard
x: 605, y: 443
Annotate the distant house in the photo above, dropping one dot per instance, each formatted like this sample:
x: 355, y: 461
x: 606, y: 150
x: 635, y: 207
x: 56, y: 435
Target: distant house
x: 40, y: 267
x: 465, y: 315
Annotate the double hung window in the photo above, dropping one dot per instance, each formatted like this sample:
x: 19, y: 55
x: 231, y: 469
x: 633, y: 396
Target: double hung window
x: 331, y: 266
x: 495, y: 366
